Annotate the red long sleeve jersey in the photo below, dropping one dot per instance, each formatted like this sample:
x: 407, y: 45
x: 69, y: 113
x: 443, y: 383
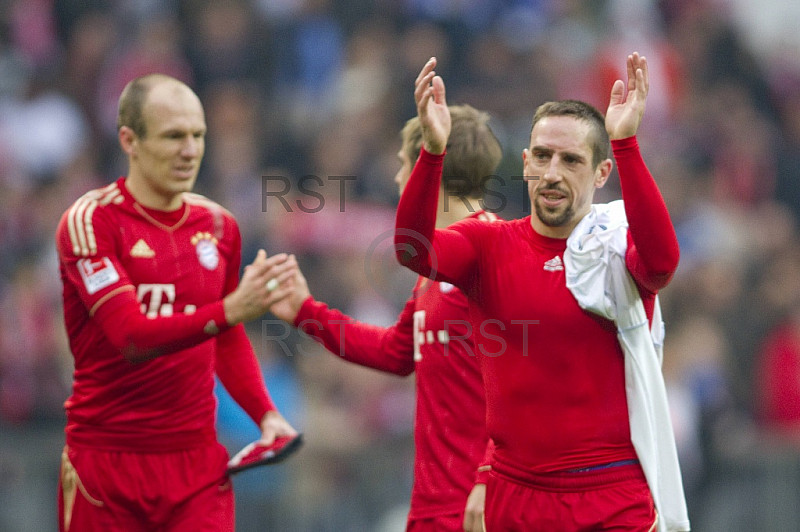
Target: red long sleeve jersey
x: 553, y: 373
x: 140, y: 284
x: 432, y: 338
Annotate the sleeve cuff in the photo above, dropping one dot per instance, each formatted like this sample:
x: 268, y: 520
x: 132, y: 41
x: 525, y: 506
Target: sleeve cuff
x: 306, y: 311
x: 218, y: 322
x: 482, y: 475
x: 620, y: 145
x: 431, y: 158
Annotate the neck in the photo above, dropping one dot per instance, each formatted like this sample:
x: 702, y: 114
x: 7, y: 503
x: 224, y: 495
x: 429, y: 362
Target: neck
x: 457, y: 209
x: 562, y: 231
x: 146, y: 196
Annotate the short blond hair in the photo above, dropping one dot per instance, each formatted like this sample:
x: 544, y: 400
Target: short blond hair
x: 473, y: 151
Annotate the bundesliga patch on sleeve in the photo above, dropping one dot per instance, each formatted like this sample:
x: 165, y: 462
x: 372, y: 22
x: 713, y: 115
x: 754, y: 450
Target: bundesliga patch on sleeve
x: 97, y: 273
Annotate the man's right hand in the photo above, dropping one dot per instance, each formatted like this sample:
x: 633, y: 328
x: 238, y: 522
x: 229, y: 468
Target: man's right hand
x: 432, y: 109
x: 287, y: 309
x: 265, y: 282
x: 474, y: 511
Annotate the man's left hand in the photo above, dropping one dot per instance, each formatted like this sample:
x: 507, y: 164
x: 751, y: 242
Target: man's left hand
x: 625, y: 111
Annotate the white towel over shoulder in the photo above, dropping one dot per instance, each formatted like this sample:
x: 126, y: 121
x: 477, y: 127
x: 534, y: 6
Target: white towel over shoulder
x: 594, y: 264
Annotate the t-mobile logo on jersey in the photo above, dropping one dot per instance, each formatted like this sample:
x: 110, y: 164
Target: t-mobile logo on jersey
x: 422, y: 337
x: 162, y: 300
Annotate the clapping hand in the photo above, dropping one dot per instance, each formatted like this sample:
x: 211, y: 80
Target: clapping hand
x: 432, y: 109
x: 625, y: 111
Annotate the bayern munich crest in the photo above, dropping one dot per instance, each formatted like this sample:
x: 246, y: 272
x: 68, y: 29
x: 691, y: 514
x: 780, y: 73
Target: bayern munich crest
x: 207, y: 252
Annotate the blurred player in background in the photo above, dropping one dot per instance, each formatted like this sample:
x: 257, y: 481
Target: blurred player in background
x: 566, y: 318
x: 153, y: 308
x: 432, y: 337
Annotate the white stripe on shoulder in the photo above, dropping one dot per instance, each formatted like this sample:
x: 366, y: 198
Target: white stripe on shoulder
x: 77, y: 235
x: 114, y: 196
x: 218, y: 212
x: 193, y: 198
x: 79, y: 218
x: 488, y: 217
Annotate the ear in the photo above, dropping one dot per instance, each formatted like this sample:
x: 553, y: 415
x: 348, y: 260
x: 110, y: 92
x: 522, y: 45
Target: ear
x: 525, y: 154
x: 602, y: 172
x: 128, y: 140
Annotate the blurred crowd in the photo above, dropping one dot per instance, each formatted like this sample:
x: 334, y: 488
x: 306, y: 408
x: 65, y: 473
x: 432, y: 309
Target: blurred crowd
x: 304, y: 101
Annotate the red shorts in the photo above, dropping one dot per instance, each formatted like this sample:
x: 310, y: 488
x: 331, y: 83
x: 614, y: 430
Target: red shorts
x: 615, y: 499
x: 439, y: 523
x: 139, y: 492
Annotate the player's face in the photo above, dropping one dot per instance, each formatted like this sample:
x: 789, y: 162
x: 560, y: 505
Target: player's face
x: 560, y: 174
x: 405, y: 170
x: 168, y: 157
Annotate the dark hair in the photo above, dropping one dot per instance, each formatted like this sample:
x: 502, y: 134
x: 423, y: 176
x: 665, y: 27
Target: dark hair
x: 601, y: 146
x: 132, y: 100
x: 473, y: 151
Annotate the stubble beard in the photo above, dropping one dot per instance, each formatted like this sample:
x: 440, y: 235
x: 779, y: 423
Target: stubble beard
x: 554, y: 217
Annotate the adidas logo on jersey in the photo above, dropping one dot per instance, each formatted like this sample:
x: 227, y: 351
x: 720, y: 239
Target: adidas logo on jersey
x: 554, y: 264
x: 141, y: 250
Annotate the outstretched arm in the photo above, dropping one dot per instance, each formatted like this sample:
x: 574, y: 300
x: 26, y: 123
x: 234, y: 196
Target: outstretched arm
x: 140, y: 338
x: 388, y: 349
x: 444, y: 254
x: 653, y: 251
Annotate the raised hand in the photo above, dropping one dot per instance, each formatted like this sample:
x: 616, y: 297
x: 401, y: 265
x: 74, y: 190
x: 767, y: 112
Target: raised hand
x: 625, y: 111
x: 287, y: 309
x: 432, y: 109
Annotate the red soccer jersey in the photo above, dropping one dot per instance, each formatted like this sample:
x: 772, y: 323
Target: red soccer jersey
x: 554, y: 373
x: 136, y: 281
x: 431, y: 338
